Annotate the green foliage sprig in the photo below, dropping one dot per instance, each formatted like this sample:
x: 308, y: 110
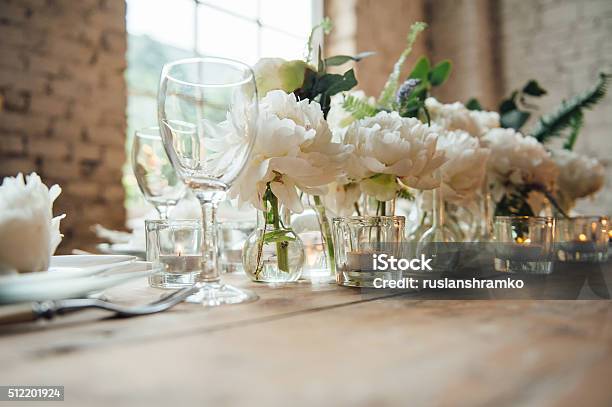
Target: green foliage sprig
x: 359, y: 108
x: 412, y: 102
x: 387, y: 95
x: 319, y: 85
x: 570, y: 114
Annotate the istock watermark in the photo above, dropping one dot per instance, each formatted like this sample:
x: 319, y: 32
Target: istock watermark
x: 384, y: 262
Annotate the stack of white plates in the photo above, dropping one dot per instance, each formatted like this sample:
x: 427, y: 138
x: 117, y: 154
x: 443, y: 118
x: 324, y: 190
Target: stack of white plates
x: 75, y: 276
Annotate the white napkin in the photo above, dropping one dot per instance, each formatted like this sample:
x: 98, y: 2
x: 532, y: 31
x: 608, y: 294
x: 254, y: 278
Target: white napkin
x: 29, y: 234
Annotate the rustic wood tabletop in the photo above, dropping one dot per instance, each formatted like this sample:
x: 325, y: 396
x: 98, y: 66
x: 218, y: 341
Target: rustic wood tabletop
x: 306, y: 344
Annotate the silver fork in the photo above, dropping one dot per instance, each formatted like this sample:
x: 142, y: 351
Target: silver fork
x: 26, y: 312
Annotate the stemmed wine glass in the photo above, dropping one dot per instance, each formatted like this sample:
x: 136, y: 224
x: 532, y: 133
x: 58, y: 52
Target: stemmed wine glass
x: 155, y: 175
x: 218, y: 98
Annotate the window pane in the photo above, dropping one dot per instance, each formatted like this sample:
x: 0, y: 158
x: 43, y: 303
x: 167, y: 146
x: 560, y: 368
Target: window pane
x: 170, y: 22
x: 247, y: 8
x: 221, y: 34
x: 276, y: 44
x: 145, y: 58
x: 291, y: 16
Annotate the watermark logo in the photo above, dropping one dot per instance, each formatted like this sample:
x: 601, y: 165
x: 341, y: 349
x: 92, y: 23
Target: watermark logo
x: 384, y: 262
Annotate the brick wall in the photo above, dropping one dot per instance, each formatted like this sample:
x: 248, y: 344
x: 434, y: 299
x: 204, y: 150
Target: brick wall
x: 63, y: 105
x: 495, y: 46
x: 370, y: 25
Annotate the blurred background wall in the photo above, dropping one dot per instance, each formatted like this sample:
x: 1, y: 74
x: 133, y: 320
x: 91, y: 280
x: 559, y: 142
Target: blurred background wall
x: 63, y: 105
x: 496, y: 46
x: 63, y: 90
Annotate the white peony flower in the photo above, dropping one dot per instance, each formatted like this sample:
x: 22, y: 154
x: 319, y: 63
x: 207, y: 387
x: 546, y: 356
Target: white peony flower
x: 387, y: 147
x: 293, y: 149
x: 579, y: 176
x: 464, y: 171
x: 516, y: 160
x: 30, y: 233
x: 340, y: 198
x: 455, y: 116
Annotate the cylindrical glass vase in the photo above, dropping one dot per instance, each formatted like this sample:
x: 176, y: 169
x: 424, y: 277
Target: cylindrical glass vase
x: 357, y: 239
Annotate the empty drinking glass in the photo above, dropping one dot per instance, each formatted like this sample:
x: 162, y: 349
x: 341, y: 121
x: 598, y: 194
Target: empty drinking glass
x: 157, y: 180
x: 218, y: 97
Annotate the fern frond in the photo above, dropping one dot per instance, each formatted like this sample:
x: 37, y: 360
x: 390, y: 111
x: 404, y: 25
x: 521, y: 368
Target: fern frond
x: 358, y: 108
x: 576, y: 125
x: 387, y: 95
x: 553, y: 124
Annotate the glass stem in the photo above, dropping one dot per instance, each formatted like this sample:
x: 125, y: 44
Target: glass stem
x: 487, y: 231
x: 210, y: 258
x: 162, y: 210
x: 327, y: 238
x: 438, y: 208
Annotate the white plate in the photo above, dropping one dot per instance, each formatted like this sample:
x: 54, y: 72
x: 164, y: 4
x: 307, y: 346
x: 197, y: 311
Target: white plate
x: 70, y: 266
x: 122, y: 248
x: 72, y: 277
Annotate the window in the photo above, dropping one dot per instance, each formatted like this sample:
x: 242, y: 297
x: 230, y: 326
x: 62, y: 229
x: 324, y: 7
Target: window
x: 160, y: 31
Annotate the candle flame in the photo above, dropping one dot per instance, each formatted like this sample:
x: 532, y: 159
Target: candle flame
x: 520, y: 240
x: 582, y: 237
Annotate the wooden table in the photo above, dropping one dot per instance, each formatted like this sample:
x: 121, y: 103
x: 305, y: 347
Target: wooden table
x: 322, y: 345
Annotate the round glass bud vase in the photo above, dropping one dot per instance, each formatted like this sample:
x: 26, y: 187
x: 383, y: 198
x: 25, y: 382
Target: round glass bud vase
x: 273, y: 252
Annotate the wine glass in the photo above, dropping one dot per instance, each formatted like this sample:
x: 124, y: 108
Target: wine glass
x: 218, y: 98
x: 157, y: 180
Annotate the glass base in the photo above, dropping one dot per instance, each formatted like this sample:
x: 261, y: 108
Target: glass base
x: 318, y: 276
x: 215, y: 294
x: 364, y: 279
x: 173, y: 280
x: 523, y: 266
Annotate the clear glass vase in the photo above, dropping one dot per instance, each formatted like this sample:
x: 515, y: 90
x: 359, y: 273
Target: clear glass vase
x: 357, y: 239
x: 273, y: 253
x: 309, y: 226
x: 437, y: 241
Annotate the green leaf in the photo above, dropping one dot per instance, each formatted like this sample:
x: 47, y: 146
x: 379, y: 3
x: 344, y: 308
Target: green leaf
x: 440, y: 73
x: 387, y: 96
x: 508, y: 104
x: 342, y: 59
x: 533, y: 88
x: 553, y: 124
x: 330, y: 84
x: 514, y: 119
x: 421, y: 69
x: 473, y: 104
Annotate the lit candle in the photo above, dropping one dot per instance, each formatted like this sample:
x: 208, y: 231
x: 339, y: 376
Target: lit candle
x: 181, y: 263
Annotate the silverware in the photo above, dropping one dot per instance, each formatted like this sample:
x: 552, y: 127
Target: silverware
x: 27, y: 312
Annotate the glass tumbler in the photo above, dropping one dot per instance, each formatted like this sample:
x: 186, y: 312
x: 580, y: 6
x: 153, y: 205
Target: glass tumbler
x: 175, y: 245
x: 524, y: 244
x: 582, y: 239
x: 357, y: 239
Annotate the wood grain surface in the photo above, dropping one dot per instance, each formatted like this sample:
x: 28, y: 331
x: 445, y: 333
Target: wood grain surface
x: 310, y: 345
